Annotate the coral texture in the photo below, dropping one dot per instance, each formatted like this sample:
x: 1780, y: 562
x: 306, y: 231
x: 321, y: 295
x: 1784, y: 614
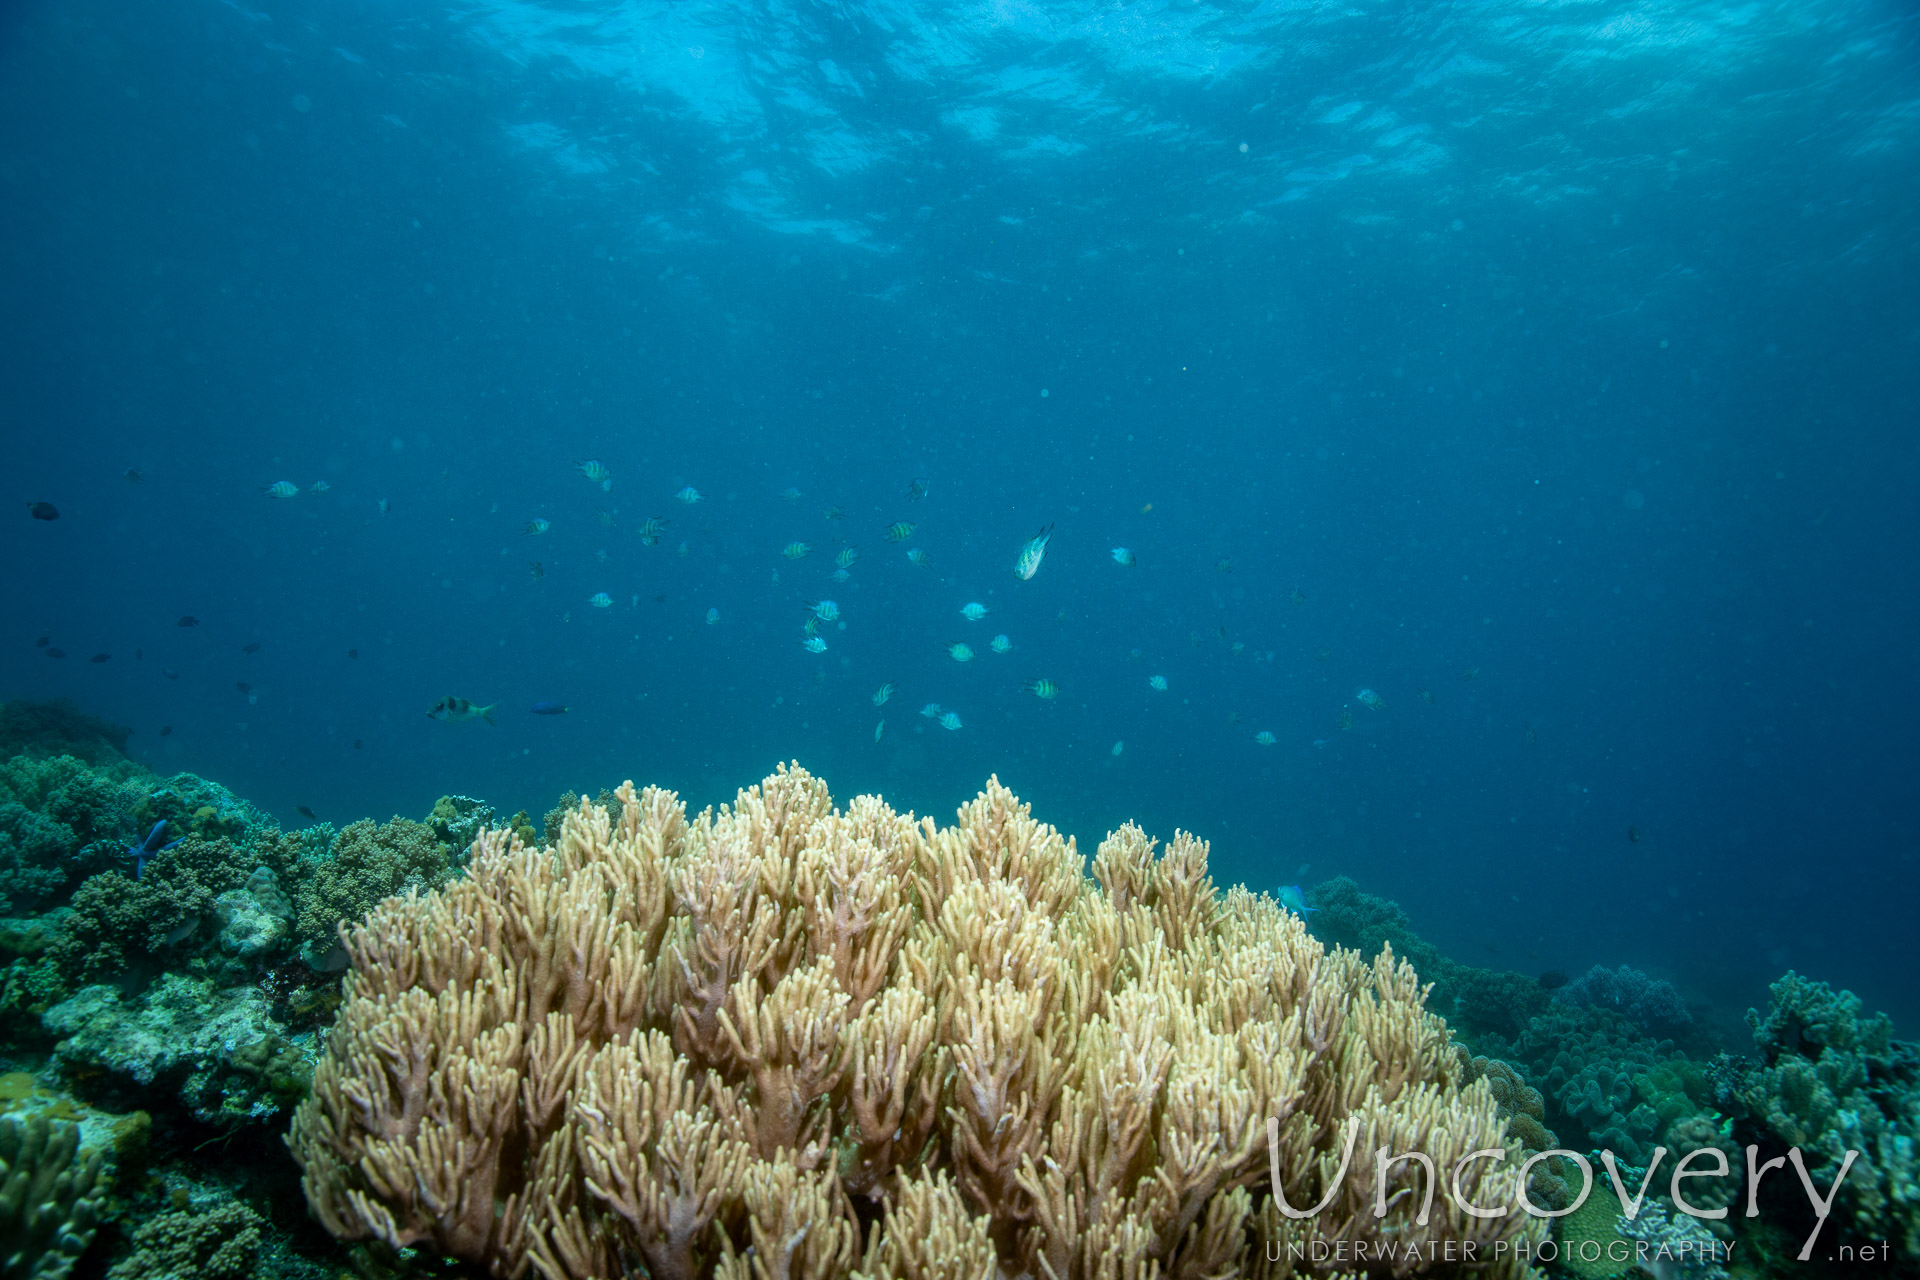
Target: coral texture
x: 369, y: 861
x: 1651, y: 1002
x: 50, y: 1193
x: 217, y: 1054
x: 1830, y: 1080
x: 220, y: 1244
x: 782, y: 1039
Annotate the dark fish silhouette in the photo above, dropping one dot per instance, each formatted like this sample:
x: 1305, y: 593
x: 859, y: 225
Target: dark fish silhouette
x: 56, y: 653
x: 1633, y: 834
x: 132, y: 475
x: 187, y: 620
x: 43, y: 511
x: 101, y: 657
x: 548, y: 708
x: 165, y: 729
x: 305, y: 812
x: 243, y: 686
x: 358, y: 745
x: 250, y: 648
x: 43, y: 642
x: 353, y: 653
x: 169, y: 673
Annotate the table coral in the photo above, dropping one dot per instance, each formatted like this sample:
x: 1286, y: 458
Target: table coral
x: 783, y: 1038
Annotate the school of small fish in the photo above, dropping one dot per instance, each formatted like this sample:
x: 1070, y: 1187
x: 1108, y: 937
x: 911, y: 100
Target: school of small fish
x: 826, y: 613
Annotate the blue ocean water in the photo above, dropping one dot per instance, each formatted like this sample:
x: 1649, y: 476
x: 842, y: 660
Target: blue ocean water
x: 1548, y: 371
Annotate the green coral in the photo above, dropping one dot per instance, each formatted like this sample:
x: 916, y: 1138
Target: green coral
x: 367, y: 862
x: 116, y: 920
x: 1832, y: 1080
x: 222, y: 1243
x: 50, y: 1193
x: 61, y: 817
x: 456, y: 820
x: 192, y: 805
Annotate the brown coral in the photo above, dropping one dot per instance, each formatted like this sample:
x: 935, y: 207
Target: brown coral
x: 788, y: 1040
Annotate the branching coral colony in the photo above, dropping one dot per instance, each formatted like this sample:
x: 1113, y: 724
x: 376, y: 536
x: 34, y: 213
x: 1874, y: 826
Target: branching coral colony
x: 786, y: 1040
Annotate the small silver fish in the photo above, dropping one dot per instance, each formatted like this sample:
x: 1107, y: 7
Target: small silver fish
x: 536, y: 527
x: 932, y: 710
x: 796, y: 550
x: 900, y: 531
x: 825, y: 610
x: 281, y: 489
x: 790, y: 493
x: 846, y: 557
x: 814, y: 644
x: 650, y: 529
x: 879, y: 729
x: 1032, y: 554
x: 1045, y: 690
x: 319, y: 486
x: 1000, y: 644
x: 1265, y: 738
x: 600, y: 600
x: 596, y: 471
x: 1157, y: 682
x: 713, y: 616
x: 960, y: 652
x: 1123, y: 556
x: 950, y: 720
x: 689, y: 495
x: 884, y: 692
x: 384, y: 506
x: 973, y: 611
x: 918, y: 558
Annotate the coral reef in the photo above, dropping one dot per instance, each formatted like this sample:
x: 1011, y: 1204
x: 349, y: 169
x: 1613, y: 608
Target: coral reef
x: 1525, y: 1111
x: 58, y: 728
x: 1831, y: 1079
x: 783, y: 1039
x: 217, y: 1054
x: 1675, y: 1246
x: 219, y: 1244
x: 367, y: 862
x: 119, y: 922
x: 1651, y: 1002
x: 50, y: 1193
x: 456, y: 820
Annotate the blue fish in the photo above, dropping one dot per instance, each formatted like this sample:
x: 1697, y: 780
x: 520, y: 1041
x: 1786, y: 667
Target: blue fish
x: 1293, y: 899
x: 548, y: 708
x: 141, y: 852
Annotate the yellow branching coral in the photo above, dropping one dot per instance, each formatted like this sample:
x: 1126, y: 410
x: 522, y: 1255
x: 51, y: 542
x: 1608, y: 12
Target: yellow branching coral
x: 784, y: 1041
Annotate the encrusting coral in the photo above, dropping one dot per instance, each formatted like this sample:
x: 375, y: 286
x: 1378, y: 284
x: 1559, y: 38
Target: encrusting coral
x: 786, y: 1040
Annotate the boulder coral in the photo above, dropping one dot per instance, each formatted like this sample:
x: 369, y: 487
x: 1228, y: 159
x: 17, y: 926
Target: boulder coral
x: 782, y: 1038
